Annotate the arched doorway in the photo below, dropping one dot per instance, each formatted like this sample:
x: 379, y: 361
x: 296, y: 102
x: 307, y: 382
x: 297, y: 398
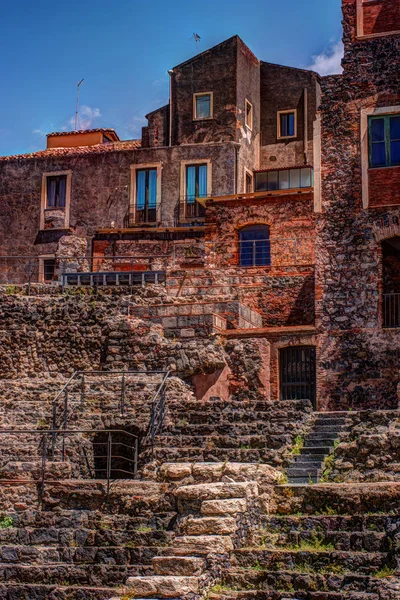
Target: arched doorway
x: 391, y: 282
x: 297, y: 373
x: 254, y: 246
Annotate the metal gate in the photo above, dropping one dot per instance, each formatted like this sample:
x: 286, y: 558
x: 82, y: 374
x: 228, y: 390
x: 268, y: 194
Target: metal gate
x: 297, y: 372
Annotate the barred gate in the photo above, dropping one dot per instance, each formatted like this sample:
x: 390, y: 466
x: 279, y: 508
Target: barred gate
x: 297, y: 371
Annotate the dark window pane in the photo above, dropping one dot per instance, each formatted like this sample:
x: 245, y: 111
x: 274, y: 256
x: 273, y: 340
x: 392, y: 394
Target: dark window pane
x: 395, y: 153
x: 203, y: 106
x: 294, y: 178
x: 273, y: 180
x: 51, y: 191
x: 287, y: 124
x: 377, y: 130
x: 255, y: 246
x: 305, y: 178
x: 261, y: 182
x: 49, y: 269
x: 62, y: 189
x: 284, y: 180
x: 395, y: 128
x: 378, y: 154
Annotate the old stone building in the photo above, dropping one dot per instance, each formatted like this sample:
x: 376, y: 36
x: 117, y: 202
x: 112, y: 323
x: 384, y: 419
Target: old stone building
x: 279, y: 197
x: 199, y: 339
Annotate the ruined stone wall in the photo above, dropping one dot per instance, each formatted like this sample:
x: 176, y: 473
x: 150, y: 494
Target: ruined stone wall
x: 358, y: 360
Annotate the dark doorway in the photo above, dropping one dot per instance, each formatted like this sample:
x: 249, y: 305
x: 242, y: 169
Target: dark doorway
x: 297, y: 370
x: 391, y: 282
x: 116, y: 453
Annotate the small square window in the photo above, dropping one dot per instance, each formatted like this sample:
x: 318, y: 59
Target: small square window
x: 249, y: 115
x: 49, y: 270
x: 203, y: 106
x: 287, y: 124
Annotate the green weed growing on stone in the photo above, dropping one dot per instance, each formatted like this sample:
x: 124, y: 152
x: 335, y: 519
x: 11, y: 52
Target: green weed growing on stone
x: 297, y: 445
x: 6, y: 522
x: 10, y: 289
x: 384, y: 572
x: 313, y: 544
x: 144, y: 529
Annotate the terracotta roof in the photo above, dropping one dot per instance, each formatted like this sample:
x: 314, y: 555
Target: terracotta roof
x: 77, y: 151
x: 80, y: 131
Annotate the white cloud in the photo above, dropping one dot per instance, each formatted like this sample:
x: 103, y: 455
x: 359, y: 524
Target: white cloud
x: 38, y: 132
x: 329, y: 61
x: 86, y: 116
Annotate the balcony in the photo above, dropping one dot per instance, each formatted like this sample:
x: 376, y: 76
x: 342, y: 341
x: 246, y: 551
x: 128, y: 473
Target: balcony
x: 391, y: 311
x: 191, y: 211
x: 143, y: 216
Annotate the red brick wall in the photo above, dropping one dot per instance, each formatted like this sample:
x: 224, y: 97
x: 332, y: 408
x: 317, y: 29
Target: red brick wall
x: 380, y: 16
x: 384, y: 186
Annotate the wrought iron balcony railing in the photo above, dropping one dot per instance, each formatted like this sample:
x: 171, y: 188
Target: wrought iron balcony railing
x: 391, y: 311
x: 142, y: 216
x: 191, y: 210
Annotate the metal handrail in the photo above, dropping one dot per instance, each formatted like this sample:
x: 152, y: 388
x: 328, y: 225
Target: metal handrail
x: 44, y: 434
x: 65, y: 404
x: 157, y: 415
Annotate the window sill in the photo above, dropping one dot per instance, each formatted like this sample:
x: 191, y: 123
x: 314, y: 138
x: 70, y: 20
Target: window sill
x: 383, y: 168
x: 286, y: 137
x: 196, y: 119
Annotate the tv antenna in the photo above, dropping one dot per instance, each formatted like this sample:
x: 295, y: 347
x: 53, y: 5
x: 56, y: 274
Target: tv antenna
x: 197, y: 39
x: 77, y: 103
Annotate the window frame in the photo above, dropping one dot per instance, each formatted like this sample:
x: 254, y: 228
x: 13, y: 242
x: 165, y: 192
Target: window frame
x: 133, y: 187
x: 265, y: 244
x: 250, y: 174
x: 280, y: 172
x: 246, y: 119
x: 387, y: 140
x: 43, y: 198
x: 286, y: 112
x: 197, y: 95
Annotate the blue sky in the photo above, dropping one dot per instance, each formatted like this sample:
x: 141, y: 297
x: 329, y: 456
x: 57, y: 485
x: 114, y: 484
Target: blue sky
x: 123, y: 48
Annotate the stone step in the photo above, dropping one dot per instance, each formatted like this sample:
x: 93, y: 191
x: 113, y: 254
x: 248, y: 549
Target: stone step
x: 317, y: 441
x: 209, y: 525
x: 301, y: 480
x: 178, y: 565
x: 203, y: 454
x: 303, y: 472
x: 200, y: 545
x: 227, y: 428
x: 212, y: 491
x: 309, y: 458
x: 327, y: 524
x: 257, y: 442
x: 59, y: 573
x: 26, y: 591
x: 303, y: 579
x: 231, y: 506
x: 315, y: 449
x: 339, y: 540
x: 162, y: 586
x: 257, y: 594
x: 93, y: 555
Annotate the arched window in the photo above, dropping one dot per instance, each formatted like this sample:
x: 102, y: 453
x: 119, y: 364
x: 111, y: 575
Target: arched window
x: 254, y: 246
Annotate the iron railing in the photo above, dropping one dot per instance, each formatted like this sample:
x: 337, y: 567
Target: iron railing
x: 156, y: 416
x: 79, y: 386
x: 142, y: 216
x: 102, y: 459
x: 391, y: 311
x: 190, y: 210
x: 96, y: 279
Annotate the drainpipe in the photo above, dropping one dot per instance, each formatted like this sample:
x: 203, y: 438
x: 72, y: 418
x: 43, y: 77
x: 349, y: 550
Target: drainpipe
x: 170, y: 73
x: 306, y: 126
x: 236, y: 169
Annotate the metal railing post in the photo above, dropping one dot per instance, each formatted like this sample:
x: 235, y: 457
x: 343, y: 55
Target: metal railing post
x: 44, y: 457
x: 109, y: 459
x: 135, y: 463
x: 82, y: 391
x: 65, y: 420
x: 152, y: 429
x: 122, y: 399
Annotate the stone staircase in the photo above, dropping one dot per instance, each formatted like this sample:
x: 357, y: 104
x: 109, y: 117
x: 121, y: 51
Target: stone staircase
x: 216, y: 515
x: 319, y: 441
x: 219, y: 430
x: 320, y: 543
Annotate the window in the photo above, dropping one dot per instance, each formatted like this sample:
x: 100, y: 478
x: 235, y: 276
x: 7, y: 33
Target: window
x: 196, y: 182
x: 384, y: 141
x: 248, y: 182
x: 49, y: 268
x: 249, y: 115
x: 56, y: 188
x: 146, y: 195
x: 283, y: 180
x: 203, y: 106
x: 255, y: 249
x: 287, y: 124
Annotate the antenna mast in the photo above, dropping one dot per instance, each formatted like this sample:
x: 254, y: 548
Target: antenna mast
x: 77, y: 103
x: 197, y: 39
